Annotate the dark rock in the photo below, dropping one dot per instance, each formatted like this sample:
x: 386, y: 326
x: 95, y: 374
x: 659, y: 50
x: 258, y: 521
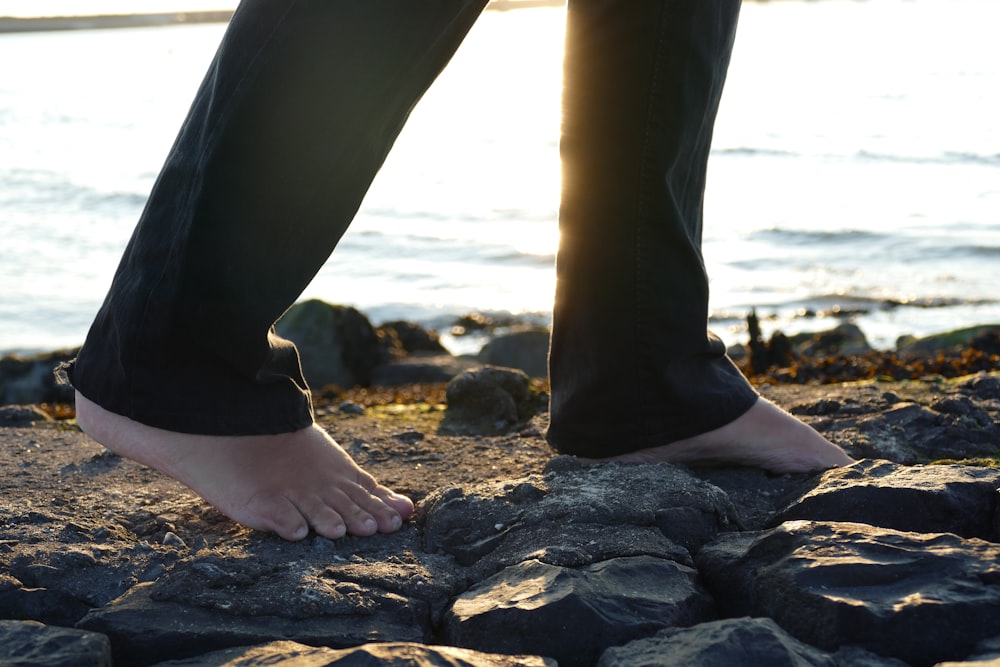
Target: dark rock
x: 337, y: 344
x: 487, y: 401
x: 842, y: 339
x: 292, y: 654
x: 527, y: 350
x: 422, y: 368
x: 26, y: 380
x: 982, y: 386
x: 746, y: 642
x: 144, y: 630
x: 921, y: 598
x: 910, y: 433
x: 411, y: 338
x: 58, y: 583
x: 21, y: 415
x: 572, y: 615
x: 944, y: 342
x: 591, y: 512
x: 927, y: 499
x: 28, y: 644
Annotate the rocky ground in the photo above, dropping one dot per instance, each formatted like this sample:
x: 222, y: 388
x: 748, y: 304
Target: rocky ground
x: 517, y: 557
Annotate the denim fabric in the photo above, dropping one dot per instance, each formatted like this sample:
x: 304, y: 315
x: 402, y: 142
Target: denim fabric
x: 293, y: 120
x: 631, y: 364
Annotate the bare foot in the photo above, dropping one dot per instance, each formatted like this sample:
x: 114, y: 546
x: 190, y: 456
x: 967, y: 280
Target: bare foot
x: 764, y: 437
x: 286, y: 483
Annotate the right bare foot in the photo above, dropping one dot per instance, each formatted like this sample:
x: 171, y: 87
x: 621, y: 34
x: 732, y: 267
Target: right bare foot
x: 285, y: 483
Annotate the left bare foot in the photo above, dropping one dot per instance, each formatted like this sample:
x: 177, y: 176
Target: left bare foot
x: 764, y: 437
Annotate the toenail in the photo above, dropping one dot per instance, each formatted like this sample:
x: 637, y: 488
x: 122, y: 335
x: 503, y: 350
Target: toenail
x: 369, y: 524
x: 396, y: 523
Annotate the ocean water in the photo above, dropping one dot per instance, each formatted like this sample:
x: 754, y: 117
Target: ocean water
x: 855, y: 173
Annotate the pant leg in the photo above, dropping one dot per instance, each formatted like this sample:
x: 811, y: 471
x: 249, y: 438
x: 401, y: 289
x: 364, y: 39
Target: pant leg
x: 631, y: 362
x: 293, y: 120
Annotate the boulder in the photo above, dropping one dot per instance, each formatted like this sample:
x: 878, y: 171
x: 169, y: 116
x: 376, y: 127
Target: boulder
x: 487, y: 401
x: 576, y: 515
x: 31, y: 379
x: 337, y: 344
x: 22, y: 415
x: 527, y: 350
x: 925, y: 499
x: 410, y: 338
x: 422, y: 368
x: 572, y: 615
x: 945, y: 341
x: 207, y: 604
x: 908, y: 433
x: 842, y: 339
x: 918, y: 597
x: 395, y: 654
x: 747, y: 642
x: 28, y: 643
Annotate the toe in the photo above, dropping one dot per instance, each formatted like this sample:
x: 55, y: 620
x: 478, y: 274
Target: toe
x: 279, y: 515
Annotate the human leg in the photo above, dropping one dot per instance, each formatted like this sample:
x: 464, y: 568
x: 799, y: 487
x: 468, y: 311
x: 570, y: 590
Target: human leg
x: 295, y: 117
x: 632, y: 366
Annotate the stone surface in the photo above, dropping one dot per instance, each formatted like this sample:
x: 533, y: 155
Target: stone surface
x: 31, y: 644
x: 574, y: 515
x: 21, y: 415
x: 572, y: 615
x: 337, y: 344
x: 422, y: 368
x: 927, y: 499
x: 89, y: 538
x: 397, y: 654
x: 526, y: 350
x: 487, y: 401
x: 30, y: 379
x: 746, y: 642
x: 918, y: 597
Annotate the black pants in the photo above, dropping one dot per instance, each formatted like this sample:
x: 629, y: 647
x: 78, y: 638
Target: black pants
x: 293, y: 120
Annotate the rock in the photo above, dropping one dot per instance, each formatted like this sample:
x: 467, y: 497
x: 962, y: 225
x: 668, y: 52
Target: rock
x: 527, y: 350
x: 572, y: 615
x: 910, y: 433
x: 337, y: 344
x: 920, y: 598
x: 398, y: 654
x: 28, y: 643
x: 410, y: 338
x: 422, y: 368
x: 21, y: 415
x: 842, y: 339
x: 926, y: 499
x: 747, y: 642
x: 145, y: 625
x: 573, y: 517
x: 26, y: 380
x: 486, y: 401
x: 943, y: 342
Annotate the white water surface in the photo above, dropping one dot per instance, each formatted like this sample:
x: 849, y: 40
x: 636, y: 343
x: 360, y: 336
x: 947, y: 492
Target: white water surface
x: 856, y: 166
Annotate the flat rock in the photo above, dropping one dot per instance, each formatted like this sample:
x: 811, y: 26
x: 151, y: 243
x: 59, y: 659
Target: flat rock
x: 29, y: 644
x: 926, y: 499
x: 747, y: 642
x: 573, y: 615
x: 922, y: 598
x: 394, y: 654
x: 576, y: 515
